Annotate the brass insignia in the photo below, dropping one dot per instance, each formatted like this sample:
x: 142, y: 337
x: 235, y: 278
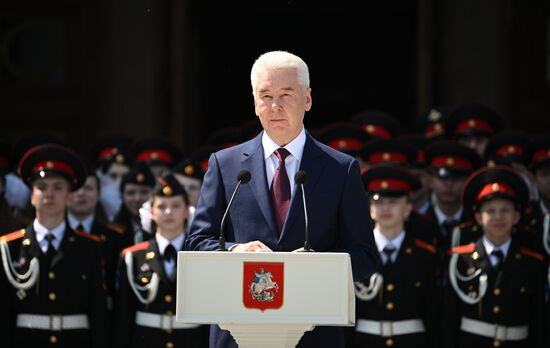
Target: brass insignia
x: 26, y: 242
x: 511, y: 149
x: 386, y: 156
x: 408, y: 251
x: 167, y: 190
x: 150, y: 255
x: 144, y: 280
x: 434, y: 115
x: 384, y: 185
x: 472, y: 123
x: 189, y: 170
x: 21, y: 294
x: 140, y: 177
x: 154, y: 155
x: 49, y: 165
x: 495, y: 187
x: 119, y: 158
x: 450, y: 161
x: 369, y: 128
x: 342, y: 143
x: 475, y: 255
x: 491, y: 164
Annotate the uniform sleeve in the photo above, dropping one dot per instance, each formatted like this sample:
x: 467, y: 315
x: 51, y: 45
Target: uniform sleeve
x: 125, y: 309
x: 356, y: 237
x: 98, y: 313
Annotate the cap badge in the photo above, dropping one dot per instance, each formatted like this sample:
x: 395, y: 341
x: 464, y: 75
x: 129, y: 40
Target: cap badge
x: 188, y: 170
x: 495, y: 187
x: 369, y: 128
x: 342, y: 143
x: 167, y: 190
x: 450, y: 161
x: 140, y: 177
x: 386, y: 156
x: 511, y: 149
x: 472, y: 123
x: 154, y: 155
x: 384, y: 184
x: 49, y: 165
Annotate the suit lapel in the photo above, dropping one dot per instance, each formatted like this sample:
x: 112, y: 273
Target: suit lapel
x: 313, y: 166
x: 253, y: 160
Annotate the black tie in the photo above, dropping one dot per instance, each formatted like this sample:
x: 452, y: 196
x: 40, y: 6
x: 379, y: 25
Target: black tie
x: 499, y: 255
x: 170, y: 253
x: 80, y: 227
x: 50, y: 252
x: 388, y: 250
x: 448, y: 226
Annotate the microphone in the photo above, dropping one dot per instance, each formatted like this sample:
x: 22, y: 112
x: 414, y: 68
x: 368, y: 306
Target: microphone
x: 300, y: 179
x: 242, y: 178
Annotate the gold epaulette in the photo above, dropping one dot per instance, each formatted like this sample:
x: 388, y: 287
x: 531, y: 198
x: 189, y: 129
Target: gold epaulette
x: 136, y: 247
x: 531, y: 253
x: 426, y: 246
x: 117, y: 228
x: 13, y: 236
x: 463, y: 249
x: 87, y: 235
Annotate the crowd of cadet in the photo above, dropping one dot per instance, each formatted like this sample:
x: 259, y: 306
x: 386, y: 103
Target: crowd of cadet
x: 459, y: 204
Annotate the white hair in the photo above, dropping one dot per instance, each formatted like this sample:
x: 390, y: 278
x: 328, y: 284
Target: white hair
x: 280, y: 60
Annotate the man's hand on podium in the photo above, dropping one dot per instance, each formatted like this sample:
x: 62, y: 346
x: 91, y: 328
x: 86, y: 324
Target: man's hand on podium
x: 256, y: 246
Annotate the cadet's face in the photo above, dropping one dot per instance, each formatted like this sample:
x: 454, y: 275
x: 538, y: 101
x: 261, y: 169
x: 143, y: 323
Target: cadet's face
x: 475, y: 143
x: 447, y: 190
x: 134, y: 196
x: 84, y: 200
x: 169, y: 213
x: 542, y: 179
x: 390, y: 212
x: 50, y: 195
x: 192, y: 186
x: 281, y: 102
x: 497, y: 217
x: 117, y: 171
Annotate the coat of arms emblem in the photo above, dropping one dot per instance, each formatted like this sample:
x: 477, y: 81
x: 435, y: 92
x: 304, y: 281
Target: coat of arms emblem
x: 263, y: 285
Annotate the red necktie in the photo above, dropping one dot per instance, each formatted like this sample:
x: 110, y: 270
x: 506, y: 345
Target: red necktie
x: 280, y: 189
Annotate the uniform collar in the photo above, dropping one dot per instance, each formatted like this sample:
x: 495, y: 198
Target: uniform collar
x: 489, y: 246
x: 162, y: 242
x: 382, y: 241
x: 42, y: 231
x: 295, y: 147
x: 441, y: 217
x: 86, y: 223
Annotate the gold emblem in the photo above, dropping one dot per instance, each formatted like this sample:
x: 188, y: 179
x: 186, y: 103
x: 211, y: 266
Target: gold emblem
x: 119, y: 158
x: 511, y: 149
x: 495, y: 187
x: 491, y: 164
x: 450, y: 161
x: 475, y: 255
x: 386, y: 156
x: 342, y: 143
x: 167, y: 190
x: 188, y: 170
x: 154, y: 155
x: 49, y: 165
x: 472, y: 123
x: 150, y: 255
x: 140, y: 177
x: 26, y: 242
x: 408, y: 251
x: 369, y: 128
x: 384, y: 184
x: 144, y: 280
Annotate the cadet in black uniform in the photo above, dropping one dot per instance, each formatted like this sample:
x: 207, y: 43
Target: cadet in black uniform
x: 51, y: 284
x: 159, y: 153
x: 146, y: 298
x: 396, y: 307
x: 494, y: 296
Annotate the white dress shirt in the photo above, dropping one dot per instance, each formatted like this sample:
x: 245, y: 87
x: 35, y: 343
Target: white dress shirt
x: 490, y: 247
x: 441, y: 217
x: 86, y: 223
x: 42, y: 231
x: 162, y: 243
x: 292, y: 161
x: 381, y: 242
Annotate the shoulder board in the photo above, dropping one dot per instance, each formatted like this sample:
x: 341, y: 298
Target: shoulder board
x: 87, y: 235
x: 117, y: 228
x: 463, y: 249
x: 531, y: 253
x: 426, y: 246
x: 136, y: 247
x: 12, y: 236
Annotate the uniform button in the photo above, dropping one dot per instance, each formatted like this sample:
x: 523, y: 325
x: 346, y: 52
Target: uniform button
x: 389, y: 342
x: 496, y: 343
x: 389, y: 306
x: 417, y: 284
x: 168, y: 298
x: 169, y: 313
x: 51, y: 275
x: 496, y: 309
x: 169, y: 345
x: 390, y: 287
x: 52, y: 296
x: 53, y: 339
x: 496, y: 292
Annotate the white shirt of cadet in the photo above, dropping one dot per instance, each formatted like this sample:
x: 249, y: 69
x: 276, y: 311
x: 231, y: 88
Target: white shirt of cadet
x: 42, y: 231
x: 381, y: 242
x: 86, y: 223
x: 292, y: 161
x: 441, y: 217
x: 489, y: 247
x: 163, y: 243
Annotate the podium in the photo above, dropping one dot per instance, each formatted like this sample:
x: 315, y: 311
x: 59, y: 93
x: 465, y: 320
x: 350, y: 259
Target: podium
x: 265, y: 299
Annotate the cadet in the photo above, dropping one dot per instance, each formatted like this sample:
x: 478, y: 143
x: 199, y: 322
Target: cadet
x: 51, y: 283
x: 379, y: 124
x: 146, y: 298
x: 160, y: 154
x: 494, y: 296
x: 396, y: 307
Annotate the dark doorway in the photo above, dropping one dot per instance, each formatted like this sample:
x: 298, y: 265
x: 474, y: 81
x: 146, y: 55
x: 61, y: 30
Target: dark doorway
x: 359, y: 56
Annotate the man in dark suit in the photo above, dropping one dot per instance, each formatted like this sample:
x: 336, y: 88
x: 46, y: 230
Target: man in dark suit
x: 268, y: 212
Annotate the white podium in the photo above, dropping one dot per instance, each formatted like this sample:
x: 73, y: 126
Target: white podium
x: 265, y: 299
